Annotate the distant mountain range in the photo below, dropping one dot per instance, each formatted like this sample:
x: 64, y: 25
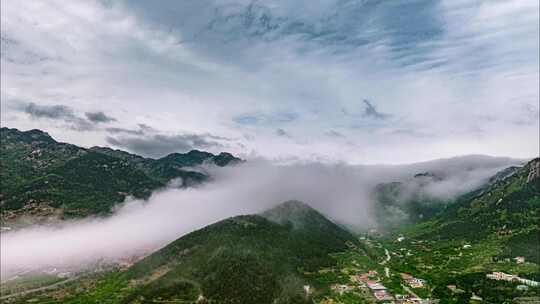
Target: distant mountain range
x: 44, y: 177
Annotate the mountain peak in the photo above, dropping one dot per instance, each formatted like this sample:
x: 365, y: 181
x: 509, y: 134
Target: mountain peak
x: 287, y: 210
x: 26, y: 136
x: 428, y: 176
x: 225, y: 158
x: 196, y: 157
x: 300, y: 216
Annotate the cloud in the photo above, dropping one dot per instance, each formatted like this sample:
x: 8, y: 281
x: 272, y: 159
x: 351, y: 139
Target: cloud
x: 267, y: 119
x: 159, y: 145
x: 281, y: 132
x: 52, y: 112
x: 141, y: 130
x: 342, y: 192
x: 291, y: 65
x: 246, y: 119
x: 370, y: 111
x: 98, y: 117
x: 334, y: 133
x: 57, y: 112
x: 114, y: 130
x: 67, y: 116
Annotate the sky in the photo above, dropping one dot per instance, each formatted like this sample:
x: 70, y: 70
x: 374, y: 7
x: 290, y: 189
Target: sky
x: 333, y: 81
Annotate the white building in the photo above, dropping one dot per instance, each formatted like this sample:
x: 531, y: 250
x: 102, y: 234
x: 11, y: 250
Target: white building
x: 501, y: 276
x: 340, y: 288
x: 382, y: 295
x: 520, y: 259
x: 416, y: 283
x: 528, y: 282
x: 375, y: 286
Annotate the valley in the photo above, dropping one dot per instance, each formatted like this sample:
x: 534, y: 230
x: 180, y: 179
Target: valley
x: 481, y: 247
x: 270, y: 152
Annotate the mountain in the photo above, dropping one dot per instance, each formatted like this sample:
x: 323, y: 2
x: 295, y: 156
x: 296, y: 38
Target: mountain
x: 413, y: 200
x: 494, y: 228
x: 491, y: 229
x: 509, y: 208
x: 40, y: 174
x: 406, y: 202
x: 257, y: 258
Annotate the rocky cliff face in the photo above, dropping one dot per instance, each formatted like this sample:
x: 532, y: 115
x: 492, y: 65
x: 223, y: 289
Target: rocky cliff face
x: 534, y: 170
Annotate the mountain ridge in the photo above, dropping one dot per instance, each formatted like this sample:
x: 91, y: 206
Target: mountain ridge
x: 39, y: 173
x: 507, y: 209
x: 245, y: 258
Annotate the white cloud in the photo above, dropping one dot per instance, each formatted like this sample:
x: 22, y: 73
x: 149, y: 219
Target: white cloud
x: 459, y: 78
x: 340, y: 191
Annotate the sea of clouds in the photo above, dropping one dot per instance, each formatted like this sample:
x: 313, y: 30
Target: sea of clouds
x: 340, y: 191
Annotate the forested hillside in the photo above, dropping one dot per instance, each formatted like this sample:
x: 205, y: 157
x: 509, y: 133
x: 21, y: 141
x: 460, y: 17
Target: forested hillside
x: 39, y: 174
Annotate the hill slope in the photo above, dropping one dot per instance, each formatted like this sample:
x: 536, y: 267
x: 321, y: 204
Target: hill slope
x: 482, y: 232
x: 509, y: 208
x: 244, y: 259
x: 39, y: 173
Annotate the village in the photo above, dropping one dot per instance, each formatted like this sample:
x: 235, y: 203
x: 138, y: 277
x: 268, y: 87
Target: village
x: 501, y: 276
x: 374, y: 273
x: 370, y: 283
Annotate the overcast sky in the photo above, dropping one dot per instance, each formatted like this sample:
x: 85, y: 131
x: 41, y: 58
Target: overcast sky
x: 355, y: 81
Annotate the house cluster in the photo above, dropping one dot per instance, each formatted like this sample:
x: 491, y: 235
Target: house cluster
x: 501, y: 276
x: 408, y: 299
x: 518, y: 259
x: 412, y: 281
x: 379, y: 291
x: 370, y: 280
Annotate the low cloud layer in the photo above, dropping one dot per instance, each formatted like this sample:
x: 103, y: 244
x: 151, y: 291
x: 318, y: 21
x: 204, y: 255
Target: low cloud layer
x: 341, y: 192
x: 52, y: 112
x: 159, y: 145
x: 62, y: 114
x: 57, y: 112
x: 98, y: 117
x: 149, y: 142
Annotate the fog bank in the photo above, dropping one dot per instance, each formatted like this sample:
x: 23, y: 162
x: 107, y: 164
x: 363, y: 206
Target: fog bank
x: 342, y: 192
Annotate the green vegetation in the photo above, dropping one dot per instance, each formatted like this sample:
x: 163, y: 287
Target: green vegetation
x: 500, y: 223
x: 482, y: 232
x: 38, y: 171
x: 28, y: 281
x: 270, y: 257
x: 245, y: 259
x: 405, y: 203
